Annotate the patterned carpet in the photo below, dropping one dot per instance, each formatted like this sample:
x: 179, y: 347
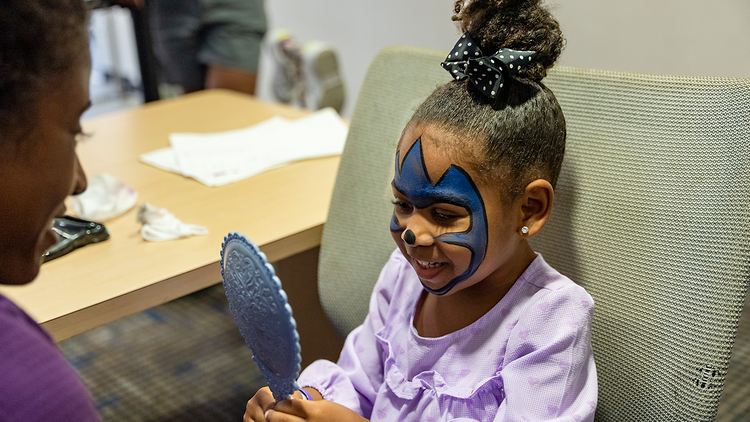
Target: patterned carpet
x: 182, y: 361
x: 185, y: 361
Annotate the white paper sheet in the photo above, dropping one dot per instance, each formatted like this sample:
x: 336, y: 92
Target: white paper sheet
x: 216, y: 159
x: 161, y: 158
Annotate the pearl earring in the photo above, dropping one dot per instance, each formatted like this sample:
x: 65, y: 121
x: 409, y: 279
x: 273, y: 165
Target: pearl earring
x: 524, y: 230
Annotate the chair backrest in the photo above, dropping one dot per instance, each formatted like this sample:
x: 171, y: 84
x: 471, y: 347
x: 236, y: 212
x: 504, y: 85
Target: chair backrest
x: 356, y: 240
x: 651, y: 215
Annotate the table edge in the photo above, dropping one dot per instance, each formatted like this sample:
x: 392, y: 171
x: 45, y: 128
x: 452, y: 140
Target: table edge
x: 77, y: 322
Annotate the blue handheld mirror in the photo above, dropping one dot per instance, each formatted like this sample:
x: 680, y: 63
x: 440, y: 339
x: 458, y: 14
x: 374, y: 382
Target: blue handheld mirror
x: 262, y: 313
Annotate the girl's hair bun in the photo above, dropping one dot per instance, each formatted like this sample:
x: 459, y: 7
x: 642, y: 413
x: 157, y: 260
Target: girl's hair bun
x: 514, y: 24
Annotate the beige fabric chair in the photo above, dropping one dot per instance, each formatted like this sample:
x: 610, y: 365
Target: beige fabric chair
x: 651, y: 216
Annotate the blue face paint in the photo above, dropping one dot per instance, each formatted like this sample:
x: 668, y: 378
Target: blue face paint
x: 454, y: 187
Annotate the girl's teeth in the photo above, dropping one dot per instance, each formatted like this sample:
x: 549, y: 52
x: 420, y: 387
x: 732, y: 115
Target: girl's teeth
x: 427, y: 264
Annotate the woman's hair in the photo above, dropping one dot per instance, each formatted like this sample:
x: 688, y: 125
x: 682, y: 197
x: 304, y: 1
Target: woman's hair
x: 521, y: 132
x: 39, y: 40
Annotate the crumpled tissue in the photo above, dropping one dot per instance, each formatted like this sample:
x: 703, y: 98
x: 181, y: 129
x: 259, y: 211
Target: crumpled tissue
x: 160, y: 224
x: 106, y: 197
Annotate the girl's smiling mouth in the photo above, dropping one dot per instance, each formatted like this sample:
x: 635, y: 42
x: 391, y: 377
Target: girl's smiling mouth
x: 427, y: 270
x: 428, y: 264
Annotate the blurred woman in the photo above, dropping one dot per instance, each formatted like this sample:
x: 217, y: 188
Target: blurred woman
x: 44, y: 76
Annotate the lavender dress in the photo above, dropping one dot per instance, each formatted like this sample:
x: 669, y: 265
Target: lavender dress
x: 528, y: 359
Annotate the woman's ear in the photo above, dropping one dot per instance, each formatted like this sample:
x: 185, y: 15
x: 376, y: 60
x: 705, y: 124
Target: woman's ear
x: 536, y: 205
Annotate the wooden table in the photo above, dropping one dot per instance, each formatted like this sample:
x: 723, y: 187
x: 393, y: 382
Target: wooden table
x: 282, y: 210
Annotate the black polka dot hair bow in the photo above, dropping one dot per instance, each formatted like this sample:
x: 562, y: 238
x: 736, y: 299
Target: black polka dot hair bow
x: 486, y: 73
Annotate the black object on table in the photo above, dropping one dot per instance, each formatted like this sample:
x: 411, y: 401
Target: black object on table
x: 73, y: 233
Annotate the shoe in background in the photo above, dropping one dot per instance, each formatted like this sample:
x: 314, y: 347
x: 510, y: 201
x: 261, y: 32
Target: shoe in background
x: 286, y: 76
x: 321, y: 77
x: 306, y: 76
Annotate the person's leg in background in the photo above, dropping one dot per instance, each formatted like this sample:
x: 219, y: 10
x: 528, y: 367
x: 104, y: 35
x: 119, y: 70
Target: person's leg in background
x: 227, y: 78
x: 175, y: 28
x: 230, y: 48
x: 209, y: 43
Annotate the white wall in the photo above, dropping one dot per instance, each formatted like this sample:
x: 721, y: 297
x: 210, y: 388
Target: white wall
x: 358, y: 29
x: 683, y: 37
x: 688, y: 37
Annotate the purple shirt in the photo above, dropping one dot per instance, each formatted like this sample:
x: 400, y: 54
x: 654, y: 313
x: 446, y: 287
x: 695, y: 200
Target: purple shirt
x: 37, y: 384
x: 528, y: 359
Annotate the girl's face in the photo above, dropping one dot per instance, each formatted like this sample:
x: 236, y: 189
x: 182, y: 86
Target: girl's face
x: 463, y: 231
x: 37, y: 173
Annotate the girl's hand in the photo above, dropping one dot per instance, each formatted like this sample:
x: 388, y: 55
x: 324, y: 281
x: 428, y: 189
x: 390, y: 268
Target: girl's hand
x: 259, y: 405
x: 311, y: 411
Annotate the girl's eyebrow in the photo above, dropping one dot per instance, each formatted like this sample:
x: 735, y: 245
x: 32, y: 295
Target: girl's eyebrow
x: 433, y: 198
x: 445, y: 198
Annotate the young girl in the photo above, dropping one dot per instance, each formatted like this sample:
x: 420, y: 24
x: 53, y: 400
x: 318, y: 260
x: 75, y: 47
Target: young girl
x: 467, y: 322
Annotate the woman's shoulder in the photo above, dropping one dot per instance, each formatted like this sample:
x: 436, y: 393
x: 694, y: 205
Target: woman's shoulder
x: 13, y: 318
x: 20, y: 336
x: 37, y: 382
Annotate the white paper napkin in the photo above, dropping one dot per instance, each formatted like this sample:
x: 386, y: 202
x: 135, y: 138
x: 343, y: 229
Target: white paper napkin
x: 105, y: 197
x: 160, y: 224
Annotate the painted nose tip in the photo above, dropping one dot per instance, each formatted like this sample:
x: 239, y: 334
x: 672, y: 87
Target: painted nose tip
x: 409, y: 237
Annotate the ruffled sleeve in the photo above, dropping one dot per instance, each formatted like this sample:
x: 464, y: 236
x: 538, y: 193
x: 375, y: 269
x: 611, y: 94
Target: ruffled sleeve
x: 549, y: 372
x: 354, y: 382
